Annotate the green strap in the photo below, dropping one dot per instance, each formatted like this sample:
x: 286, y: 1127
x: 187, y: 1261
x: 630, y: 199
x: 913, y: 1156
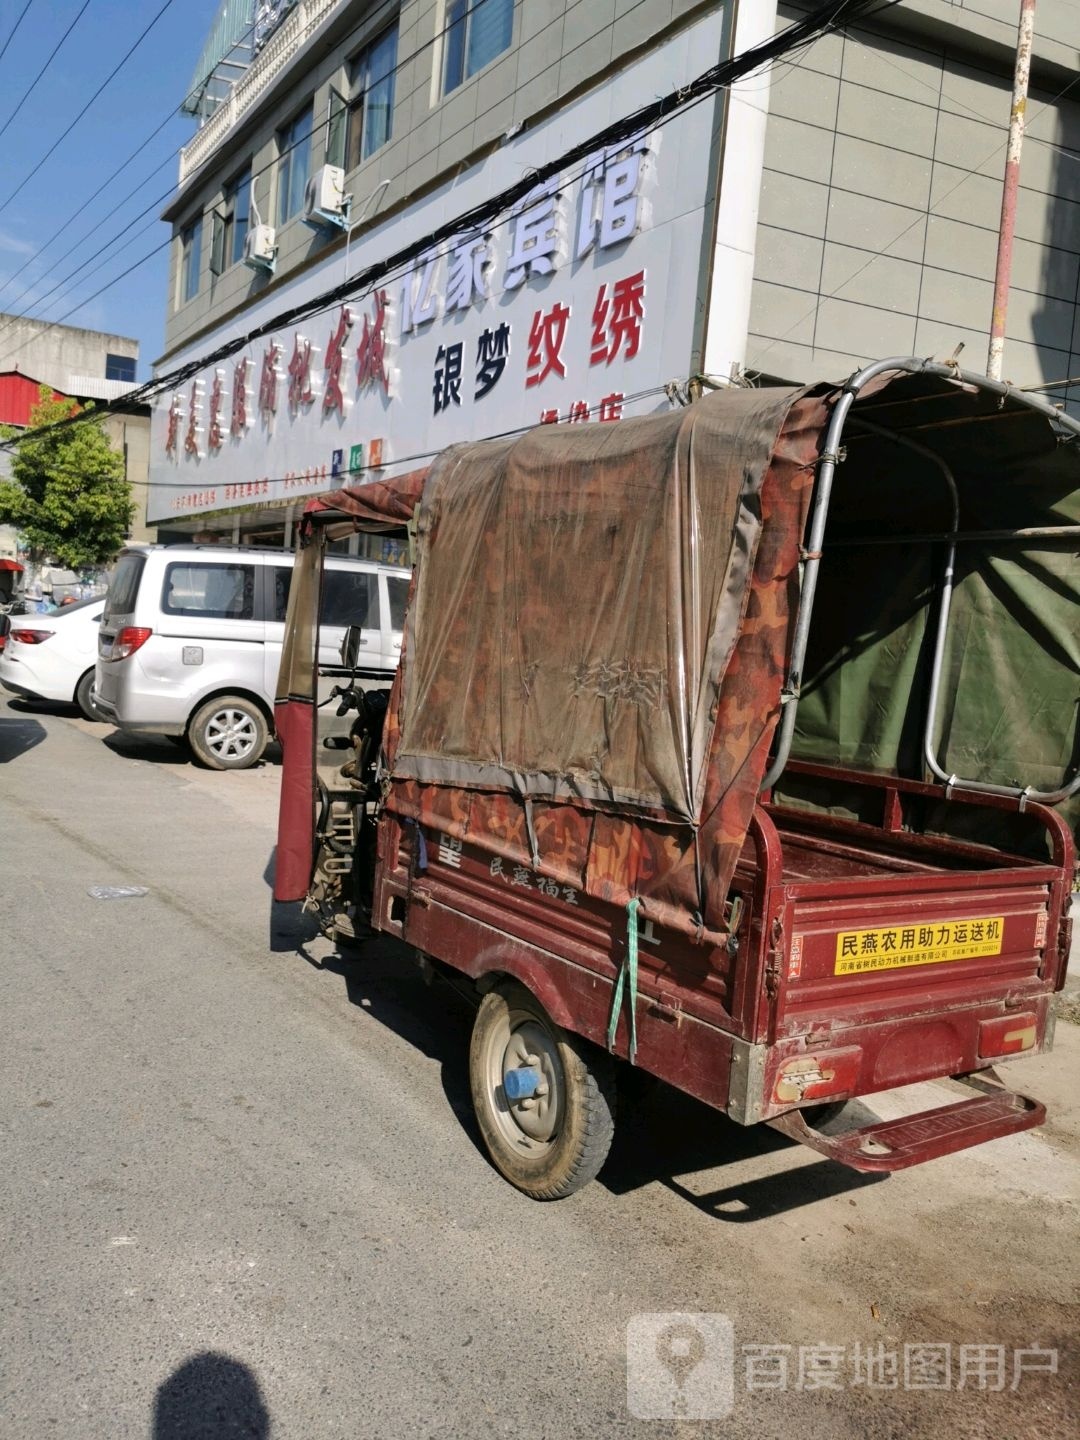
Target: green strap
x: 627, y: 977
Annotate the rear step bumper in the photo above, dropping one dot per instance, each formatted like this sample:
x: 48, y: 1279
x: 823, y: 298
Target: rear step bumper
x: 896, y: 1144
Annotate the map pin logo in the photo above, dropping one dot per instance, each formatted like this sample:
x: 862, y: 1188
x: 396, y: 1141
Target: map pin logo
x: 680, y: 1348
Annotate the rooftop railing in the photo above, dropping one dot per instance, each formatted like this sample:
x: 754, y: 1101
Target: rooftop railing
x: 291, y: 36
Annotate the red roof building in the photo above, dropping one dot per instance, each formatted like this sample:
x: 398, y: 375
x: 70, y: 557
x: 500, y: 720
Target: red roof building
x: 19, y: 394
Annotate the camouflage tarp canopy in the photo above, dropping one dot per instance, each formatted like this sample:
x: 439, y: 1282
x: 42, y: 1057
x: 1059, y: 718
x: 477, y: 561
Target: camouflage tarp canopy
x: 579, y: 597
x: 596, y: 643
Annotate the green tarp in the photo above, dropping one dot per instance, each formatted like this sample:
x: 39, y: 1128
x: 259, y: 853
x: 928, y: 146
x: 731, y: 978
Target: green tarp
x: 1010, y: 690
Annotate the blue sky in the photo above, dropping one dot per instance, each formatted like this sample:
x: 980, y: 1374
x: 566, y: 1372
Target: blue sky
x: 145, y: 93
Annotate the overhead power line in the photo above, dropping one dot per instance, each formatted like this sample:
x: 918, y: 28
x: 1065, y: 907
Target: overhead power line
x: 652, y: 392
x: 11, y: 32
x: 38, y: 301
x: 802, y: 32
x: 52, y: 56
x: 101, y: 88
x: 13, y: 320
x: 364, y: 23
x: 62, y: 227
x: 718, y: 77
x: 139, y: 148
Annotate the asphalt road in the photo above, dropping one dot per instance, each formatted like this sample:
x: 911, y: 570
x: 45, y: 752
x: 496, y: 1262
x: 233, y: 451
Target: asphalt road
x: 243, y: 1193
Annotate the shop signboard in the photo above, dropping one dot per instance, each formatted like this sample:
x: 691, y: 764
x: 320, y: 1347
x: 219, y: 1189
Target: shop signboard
x: 576, y: 306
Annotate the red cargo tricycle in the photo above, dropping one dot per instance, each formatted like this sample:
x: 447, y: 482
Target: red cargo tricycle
x: 737, y: 744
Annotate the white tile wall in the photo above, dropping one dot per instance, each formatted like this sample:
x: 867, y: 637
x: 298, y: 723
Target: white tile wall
x: 911, y: 186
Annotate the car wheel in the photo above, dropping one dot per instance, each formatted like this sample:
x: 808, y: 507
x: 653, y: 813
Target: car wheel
x: 84, y: 697
x: 228, y: 733
x: 553, y: 1141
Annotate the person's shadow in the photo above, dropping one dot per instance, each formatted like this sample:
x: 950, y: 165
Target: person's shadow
x: 210, y: 1397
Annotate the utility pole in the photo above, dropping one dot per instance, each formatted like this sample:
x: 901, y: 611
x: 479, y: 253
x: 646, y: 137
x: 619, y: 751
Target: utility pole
x: 1024, y: 37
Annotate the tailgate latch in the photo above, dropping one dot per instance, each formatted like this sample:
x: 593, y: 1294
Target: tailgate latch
x: 772, y: 967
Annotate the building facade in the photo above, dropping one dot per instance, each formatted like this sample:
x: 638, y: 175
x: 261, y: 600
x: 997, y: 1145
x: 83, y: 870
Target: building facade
x: 72, y: 360
x: 839, y: 207
x: 881, y: 195
x: 89, y: 366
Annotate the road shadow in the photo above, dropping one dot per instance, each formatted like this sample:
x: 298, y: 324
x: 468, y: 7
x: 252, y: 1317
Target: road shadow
x: 171, y: 749
x: 291, y: 931
x: 769, y: 1195
x: 660, y: 1133
x: 210, y: 1397
x: 19, y: 736
x: 22, y: 705
x: 664, y: 1134
x: 161, y: 749
x: 432, y: 1013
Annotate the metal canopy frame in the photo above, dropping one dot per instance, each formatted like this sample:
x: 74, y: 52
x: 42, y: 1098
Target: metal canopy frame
x: 830, y: 457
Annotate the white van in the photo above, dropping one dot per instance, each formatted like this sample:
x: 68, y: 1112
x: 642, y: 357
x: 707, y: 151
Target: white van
x: 191, y: 635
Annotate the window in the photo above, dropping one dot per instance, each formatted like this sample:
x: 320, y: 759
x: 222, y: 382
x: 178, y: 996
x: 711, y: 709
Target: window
x: 239, y: 194
x: 371, y: 111
x: 124, y: 585
x: 210, y: 591
x: 350, y: 597
x: 398, y: 588
x: 231, y: 224
x: 282, y: 586
x: 120, y: 367
x: 336, y: 122
x: 476, y: 31
x: 219, y: 240
x: 294, y: 163
x: 238, y: 200
x: 190, y: 259
x: 73, y: 605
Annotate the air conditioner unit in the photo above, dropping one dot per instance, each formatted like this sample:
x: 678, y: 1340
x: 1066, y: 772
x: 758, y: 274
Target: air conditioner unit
x: 260, y: 249
x: 325, y: 202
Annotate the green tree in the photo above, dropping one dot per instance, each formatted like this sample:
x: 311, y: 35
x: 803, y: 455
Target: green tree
x: 68, y: 493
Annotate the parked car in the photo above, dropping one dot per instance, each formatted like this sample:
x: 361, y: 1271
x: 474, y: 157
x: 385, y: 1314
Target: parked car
x: 51, y: 657
x: 190, y: 641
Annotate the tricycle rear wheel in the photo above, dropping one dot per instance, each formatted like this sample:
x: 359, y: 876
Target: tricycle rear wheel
x: 552, y: 1142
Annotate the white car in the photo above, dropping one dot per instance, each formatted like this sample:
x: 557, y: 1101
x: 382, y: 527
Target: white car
x: 52, y: 657
x: 192, y: 637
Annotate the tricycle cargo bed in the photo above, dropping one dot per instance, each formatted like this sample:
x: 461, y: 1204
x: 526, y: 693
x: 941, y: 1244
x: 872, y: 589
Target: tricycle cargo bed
x: 894, y: 957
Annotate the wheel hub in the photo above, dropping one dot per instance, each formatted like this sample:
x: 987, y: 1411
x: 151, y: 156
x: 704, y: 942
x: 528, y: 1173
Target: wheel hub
x: 532, y: 1098
x: 230, y: 733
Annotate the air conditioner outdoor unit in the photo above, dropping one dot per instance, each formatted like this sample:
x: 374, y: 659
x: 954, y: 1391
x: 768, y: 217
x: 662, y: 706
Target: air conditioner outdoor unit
x: 325, y: 202
x: 260, y: 249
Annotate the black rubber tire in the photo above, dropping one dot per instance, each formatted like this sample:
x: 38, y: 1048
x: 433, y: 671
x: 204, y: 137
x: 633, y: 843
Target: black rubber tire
x: 84, y: 697
x: 576, y: 1151
x: 201, y: 741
